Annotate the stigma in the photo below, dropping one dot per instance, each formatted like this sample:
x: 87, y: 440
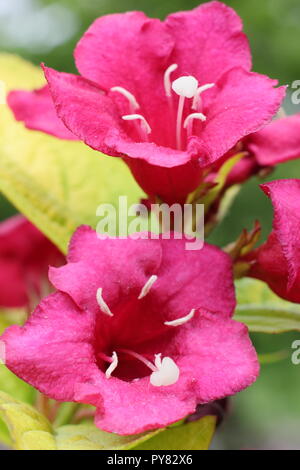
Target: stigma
x: 185, y: 86
x: 167, y: 372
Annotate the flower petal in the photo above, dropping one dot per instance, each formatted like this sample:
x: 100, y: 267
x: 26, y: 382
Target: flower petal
x: 165, y: 173
x: 239, y: 108
x: 277, y: 261
x: 278, y: 142
x: 219, y: 355
x: 119, y: 266
x: 25, y: 254
x: 85, y: 109
x: 215, y: 358
x: 37, y: 110
x: 122, y: 267
x: 209, y: 41
x: 193, y: 279
x: 53, y: 351
x: 129, y: 50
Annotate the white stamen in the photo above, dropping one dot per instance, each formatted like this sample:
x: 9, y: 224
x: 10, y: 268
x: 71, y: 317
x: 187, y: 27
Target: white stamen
x: 181, y: 321
x: 131, y: 98
x: 113, y: 365
x: 102, y: 304
x: 185, y: 86
x: 200, y: 90
x: 167, y: 80
x: 131, y: 117
x: 145, y: 290
x: 164, y: 372
x: 193, y: 116
x: 139, y: 357
x: 167, y: 372
x: 157, y: 360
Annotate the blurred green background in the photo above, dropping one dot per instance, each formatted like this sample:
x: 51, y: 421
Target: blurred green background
x: 268, y: 414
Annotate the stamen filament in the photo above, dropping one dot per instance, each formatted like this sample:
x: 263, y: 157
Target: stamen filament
x: 197, y: 97
x: 188, y: 123
x: 168, y: 91
x: 181, y: 321
x: 139, y: 358
x: 113, y: 365
x: 145, y: 290
x: 131, y: 98
x: 179, y: 121
x: 193, y: 116
x: 102, y: 304
x: 167, y: 80
x: 146, y: 129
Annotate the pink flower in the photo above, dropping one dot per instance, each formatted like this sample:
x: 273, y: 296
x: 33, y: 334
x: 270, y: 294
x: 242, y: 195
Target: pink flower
x: 169, y: 97
x: 278, y: 142
x: 277, y: 262
x: 25, y: 254
x: 141, y: 329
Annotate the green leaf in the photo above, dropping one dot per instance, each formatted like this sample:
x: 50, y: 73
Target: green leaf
x: 9, y: 382
x: 262, y: 310
x: 88, y: 437
x: 196, y: 435
x: 220, y: 179
x: 273, y: 357
x: 28, y: 428
x: 10, y: 317
x: 56, y: 184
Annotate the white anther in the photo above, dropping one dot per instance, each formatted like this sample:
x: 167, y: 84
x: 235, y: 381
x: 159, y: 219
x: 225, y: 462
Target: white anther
x: 193, y: 116
x: 102, y: 304
x: 167, y: 372
x: 200, y: 90
x: 131, y: 98
x: 145, y: 290
x: 112, y: 366
x: 167, y: 80
x: 185, y: 86
x: 131, y: 117
x: 181, y: 321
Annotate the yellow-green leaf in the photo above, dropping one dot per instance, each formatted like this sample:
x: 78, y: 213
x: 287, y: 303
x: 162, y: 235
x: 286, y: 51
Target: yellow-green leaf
x: 220, y: 179
x: 88, y: 437
x: 57, y: 184
x: 29, y: 429
x: 196, y: 435
x: 262, y: 310
x: 10, y: 317
x: 9, y: 382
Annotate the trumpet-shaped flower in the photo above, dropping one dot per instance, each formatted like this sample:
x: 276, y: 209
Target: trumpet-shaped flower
x: 25, y: 255
x: 141, y: 329
x: 277, y: 261
x: 169, y: 97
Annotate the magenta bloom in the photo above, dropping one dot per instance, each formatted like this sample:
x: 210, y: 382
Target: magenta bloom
x: 25, y: 255
x: 277, y: 262
x: 141, y: 329
x: 169, y: 97
x: 276, y: 143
